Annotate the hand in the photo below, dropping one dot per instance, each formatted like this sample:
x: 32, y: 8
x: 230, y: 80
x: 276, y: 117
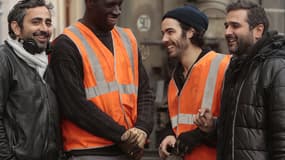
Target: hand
x: 136, y: 136
x: 133, y: 141
x: 168, y: 142
x: 129, y: 137
x: 141, y: 136
x: 132, y: 151
x: 205, y: 120
x: 137, y: 155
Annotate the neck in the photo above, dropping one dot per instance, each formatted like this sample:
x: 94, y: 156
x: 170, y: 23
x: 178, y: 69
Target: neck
x: 189, y: 57
x: 90, y: 23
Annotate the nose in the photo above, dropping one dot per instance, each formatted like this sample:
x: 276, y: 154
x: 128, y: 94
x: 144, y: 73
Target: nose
x: 44, y: 27
x: 117, y: 10
x: 164, y: 38
x: 228, y: 30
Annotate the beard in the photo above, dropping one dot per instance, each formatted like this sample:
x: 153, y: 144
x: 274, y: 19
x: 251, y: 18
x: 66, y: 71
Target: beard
x: 243, y: 43
x: 181, y: 45
x: 44, y: 45
x: 32, y: 45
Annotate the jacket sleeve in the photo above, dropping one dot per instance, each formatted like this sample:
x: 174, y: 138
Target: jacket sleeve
x: 189, y: 140
x: 276, y: 110
x: 145, y: 118
x: 5, y: 149
x: 66, y: 65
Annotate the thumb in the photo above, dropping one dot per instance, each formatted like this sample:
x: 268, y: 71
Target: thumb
x: 125, y: 136
x: 208, y: 113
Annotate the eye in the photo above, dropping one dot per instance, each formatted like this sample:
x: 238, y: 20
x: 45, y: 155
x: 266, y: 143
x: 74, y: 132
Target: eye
x: 48, y: 23
x: 170, y: 32
x: 36, y: 22
x: 226, y: 25
x: 235, y: 25
x: 111, y: 5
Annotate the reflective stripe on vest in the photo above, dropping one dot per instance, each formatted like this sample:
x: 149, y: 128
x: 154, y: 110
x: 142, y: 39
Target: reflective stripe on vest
x: 127, y: 44
x: 207, y: 100
x: 103, y: 86
x: 183, y: 119
x: 207, y: 94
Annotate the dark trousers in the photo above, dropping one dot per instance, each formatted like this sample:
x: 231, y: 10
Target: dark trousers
x: 119, y: 157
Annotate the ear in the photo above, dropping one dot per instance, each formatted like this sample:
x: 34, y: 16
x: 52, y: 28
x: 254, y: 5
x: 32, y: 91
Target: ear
x: 258, y: 31
x: 190, y: 33
x: 16, y: 28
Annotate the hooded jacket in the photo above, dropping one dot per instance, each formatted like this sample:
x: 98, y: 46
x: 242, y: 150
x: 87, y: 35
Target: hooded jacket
x: 252, y: 121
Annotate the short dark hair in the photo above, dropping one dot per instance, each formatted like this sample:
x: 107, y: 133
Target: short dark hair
x: 255, y: 13
x: 198, y: 36
x: 18, y: 12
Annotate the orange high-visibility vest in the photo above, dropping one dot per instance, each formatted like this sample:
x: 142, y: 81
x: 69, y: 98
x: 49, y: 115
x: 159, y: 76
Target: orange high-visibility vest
x: 110, y: 81
x: 202, y: 89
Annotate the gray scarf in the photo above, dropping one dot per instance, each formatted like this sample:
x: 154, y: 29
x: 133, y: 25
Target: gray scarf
x: 38, y: 61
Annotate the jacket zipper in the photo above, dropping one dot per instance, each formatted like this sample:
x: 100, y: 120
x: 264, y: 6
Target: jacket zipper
x: 234, y: 118
x: 235, y: 111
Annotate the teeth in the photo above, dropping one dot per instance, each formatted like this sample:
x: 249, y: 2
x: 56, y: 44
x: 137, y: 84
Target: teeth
x: 169, y: 46
x: 231, y: 40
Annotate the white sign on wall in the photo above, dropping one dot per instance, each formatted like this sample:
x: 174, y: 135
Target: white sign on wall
x: 143, y: 23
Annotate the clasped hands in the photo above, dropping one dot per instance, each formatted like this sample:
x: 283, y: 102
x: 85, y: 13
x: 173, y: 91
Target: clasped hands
x: 132, y: 143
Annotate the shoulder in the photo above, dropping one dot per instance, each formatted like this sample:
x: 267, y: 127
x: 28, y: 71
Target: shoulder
x: 62, y: 41
x: 128, y: 31
x: 273, y: 71
x: 63, y: 46
x: 5, y: 58
x: 274, y: 64
x: 5, y: 53
x: 123, y: 28
x: 273, y: 54
x: 219, y: 57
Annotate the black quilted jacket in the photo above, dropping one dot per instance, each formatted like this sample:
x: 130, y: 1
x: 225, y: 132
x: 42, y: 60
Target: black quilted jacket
x: 252, y: 121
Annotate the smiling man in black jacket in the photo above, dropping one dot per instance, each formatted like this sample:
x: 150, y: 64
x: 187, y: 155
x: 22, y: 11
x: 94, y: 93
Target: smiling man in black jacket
x: 29, y: 123
x: 252, y: 121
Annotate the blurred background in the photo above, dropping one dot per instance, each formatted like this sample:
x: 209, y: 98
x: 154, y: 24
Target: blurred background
x: 144, y: 18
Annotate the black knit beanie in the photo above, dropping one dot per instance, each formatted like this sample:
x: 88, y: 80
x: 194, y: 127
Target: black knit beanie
x: 189, y: 15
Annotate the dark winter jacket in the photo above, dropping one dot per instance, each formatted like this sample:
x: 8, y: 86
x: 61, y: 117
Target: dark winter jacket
x: 28, y: 112
x: 252, y: 121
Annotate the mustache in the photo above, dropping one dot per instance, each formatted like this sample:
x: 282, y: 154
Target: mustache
x: 41, y: 33
x: 230, y: 36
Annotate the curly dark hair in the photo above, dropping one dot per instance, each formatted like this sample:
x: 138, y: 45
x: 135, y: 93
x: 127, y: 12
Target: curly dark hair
x: 198, y: 37
x: 18, y: 12
x: 255, y: 14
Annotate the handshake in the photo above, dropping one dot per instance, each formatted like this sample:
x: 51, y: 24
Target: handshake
x: 132, y: 143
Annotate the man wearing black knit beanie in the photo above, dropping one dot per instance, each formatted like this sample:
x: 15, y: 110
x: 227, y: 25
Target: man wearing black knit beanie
x: 196, y: 83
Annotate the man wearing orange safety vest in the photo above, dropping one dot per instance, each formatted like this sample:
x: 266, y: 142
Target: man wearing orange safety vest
x: 102, y: 87
x: 196, y: 83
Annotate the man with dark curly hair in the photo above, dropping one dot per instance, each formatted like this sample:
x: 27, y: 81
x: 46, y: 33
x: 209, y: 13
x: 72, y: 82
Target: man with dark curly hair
x: 196, y: 82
